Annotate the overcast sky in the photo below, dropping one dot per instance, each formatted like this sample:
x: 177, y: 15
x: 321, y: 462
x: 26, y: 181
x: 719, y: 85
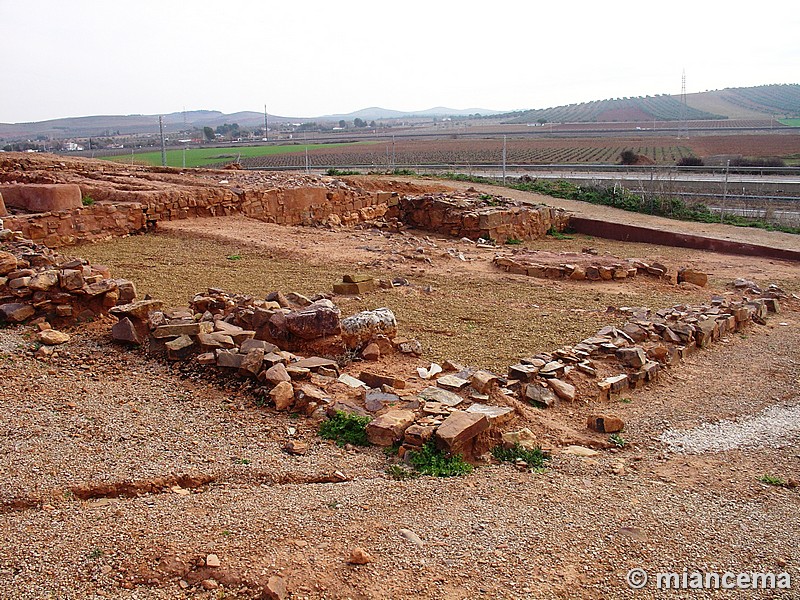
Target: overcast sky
x: 308, y: 58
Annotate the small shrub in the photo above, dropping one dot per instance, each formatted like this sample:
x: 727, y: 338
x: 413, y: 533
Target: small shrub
x: 617, y: 440
x: 404, y: 172
x: 628, y: 157
x: 400, y: 472
x: 690, y: 161
x: 556, y: 234
x: 87, y: 200
x: 535, y: 458
x: 432, y: 461
x: 341, y: 173
x: 772, y: 480
x: 345, y: 428
x: 513, y: 242
x: 234, y: 257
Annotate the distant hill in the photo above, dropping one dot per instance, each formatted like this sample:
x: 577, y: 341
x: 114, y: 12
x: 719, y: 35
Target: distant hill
x: 643, y: 108
x: 102, y: 125
x: 765, y: 101
x: 376, y: 112
x: 781, y: 100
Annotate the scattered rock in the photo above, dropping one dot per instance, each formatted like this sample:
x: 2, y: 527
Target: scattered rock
x: 359, y: 556
x: 53, y: 337
x: 605, y: 423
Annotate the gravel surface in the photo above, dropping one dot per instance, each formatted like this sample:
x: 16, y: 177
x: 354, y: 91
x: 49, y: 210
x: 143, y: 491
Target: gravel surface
x: 98, y: 416
x: 775, y: 427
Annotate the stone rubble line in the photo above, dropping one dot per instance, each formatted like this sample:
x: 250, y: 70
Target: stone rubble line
x: 258, y: 339
x: 36, y: 284
x: 584, y: 266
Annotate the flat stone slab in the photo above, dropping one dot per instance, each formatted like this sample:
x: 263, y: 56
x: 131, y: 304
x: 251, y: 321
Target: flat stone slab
x: 441, y: 396
x: 452, y: 382
x: 491, y: 412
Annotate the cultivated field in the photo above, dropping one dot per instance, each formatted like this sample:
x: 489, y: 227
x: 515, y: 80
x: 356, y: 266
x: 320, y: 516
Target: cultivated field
x: 201, y: 157
x: 598, y: 150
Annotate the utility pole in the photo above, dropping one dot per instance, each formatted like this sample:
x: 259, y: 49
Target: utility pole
x: 394, y: 160
x: 266, y: 125
x: 504, y: 160
x: 306, y: 160
x: 163, y: 143
x: 724, y: 193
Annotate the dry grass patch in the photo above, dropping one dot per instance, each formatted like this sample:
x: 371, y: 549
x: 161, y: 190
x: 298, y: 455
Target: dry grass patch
x: 481, y: 319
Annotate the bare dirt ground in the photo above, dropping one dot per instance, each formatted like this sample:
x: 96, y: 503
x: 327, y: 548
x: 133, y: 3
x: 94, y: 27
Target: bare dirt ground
x: 204, y: 473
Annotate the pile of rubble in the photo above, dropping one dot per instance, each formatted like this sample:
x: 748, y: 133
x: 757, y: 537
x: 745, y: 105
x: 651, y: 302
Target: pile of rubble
x: 634, y: 353
x: 587, y: 266
x: 37, y: 283
x: 297, y: 349
x: 476, y: 216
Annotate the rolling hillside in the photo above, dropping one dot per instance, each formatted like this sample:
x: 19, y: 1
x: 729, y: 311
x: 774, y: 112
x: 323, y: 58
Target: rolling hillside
x: 751, y: 102
x: 760, y: 102
x: 659, y: 108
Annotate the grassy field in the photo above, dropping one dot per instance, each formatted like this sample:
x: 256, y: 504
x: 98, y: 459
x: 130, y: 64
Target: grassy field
x: 790, y: 122
x: 201, y: 157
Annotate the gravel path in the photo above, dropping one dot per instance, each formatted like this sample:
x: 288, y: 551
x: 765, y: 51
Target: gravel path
x: 775, y: 427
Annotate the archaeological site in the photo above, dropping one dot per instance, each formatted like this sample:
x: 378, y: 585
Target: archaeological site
x: 251, y: 384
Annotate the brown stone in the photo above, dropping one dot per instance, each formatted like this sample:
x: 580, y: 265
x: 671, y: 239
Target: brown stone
x: 136, y: 310
x: 692, y: 276
x: 275, y: 588
x: 251, y: 363
x: 631, y: 357
x: 418, y: 435
x: 458, y: 429
x: 563, y: 390
x: 229, y: 359
x: 354, y: 289
x: 483, y: 381
x: 167, y: 331
x: 605, y: 423
x: 374, y: 380
x: 8, y: 263
x: 124, y: 331
x: 275, y: 374
x: 15, y: 312
x: 314, y: 363
x: 540, y: 396
x: 359, y: 556
x: 250, y: 344
x: 389, y: 427
x: 371, y: 352
x: 282, y: 395
x: 211, y: 341
x: 72, y: 279
x: 179, y: 348
x: 42, y: 198
x: 296, y: 447
x: 52, y: 337
x: 313, y: 322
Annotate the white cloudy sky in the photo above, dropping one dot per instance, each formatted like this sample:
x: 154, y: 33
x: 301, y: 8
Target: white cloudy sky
x: 308, y: 58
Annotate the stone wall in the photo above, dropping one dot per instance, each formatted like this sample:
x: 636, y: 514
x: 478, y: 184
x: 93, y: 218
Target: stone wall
x: 35, y: 282
x: 99, y: 221
x: 480, y: 216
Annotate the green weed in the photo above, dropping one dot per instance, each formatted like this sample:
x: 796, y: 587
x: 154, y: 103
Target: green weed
x: 344, y: 428
x: 432, y: 461
x: 772, y: 480
x: 617, y: 440
x: 535, y: 458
